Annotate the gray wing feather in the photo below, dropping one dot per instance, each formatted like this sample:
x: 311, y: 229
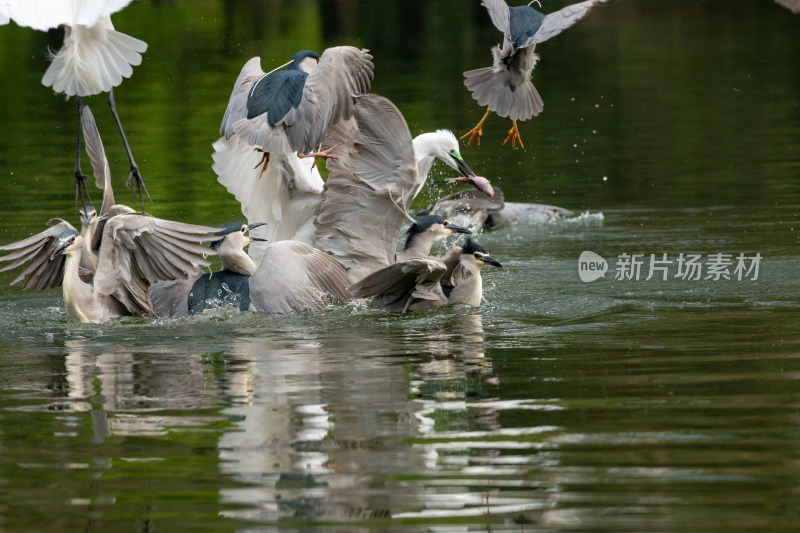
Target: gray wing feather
x: 370, y: 184
x: 98, y: 159
x: 138, y: 250
x: 42, y: 273
x: 560, y: 20
x: 498, y: 12
x: 343, y: 74
x: 407, y: 285
x: 293, y: 277
x: 237, y: 105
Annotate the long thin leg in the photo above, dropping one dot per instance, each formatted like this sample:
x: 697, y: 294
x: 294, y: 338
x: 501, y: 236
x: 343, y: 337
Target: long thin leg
x: 81, y: 192
x: 135, y: 175
x: 263, y: 163
x: 477, y: 130
x: 513, y: 134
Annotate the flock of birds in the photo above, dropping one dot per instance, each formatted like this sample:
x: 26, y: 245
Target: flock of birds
x: 311, y: 243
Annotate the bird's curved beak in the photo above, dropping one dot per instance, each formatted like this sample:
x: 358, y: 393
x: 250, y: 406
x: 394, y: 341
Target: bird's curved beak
x: 255, y: 225
x: 60, y: 249
x: 458, y: 229
x: 489, y: 261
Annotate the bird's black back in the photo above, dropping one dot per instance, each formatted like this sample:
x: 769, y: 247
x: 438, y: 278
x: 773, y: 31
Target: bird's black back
x: 525, y: 22
x: 276, y: 94
x: 220, y: 289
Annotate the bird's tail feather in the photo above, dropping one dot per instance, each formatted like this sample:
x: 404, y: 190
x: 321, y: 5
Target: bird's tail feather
x: 503, y: 92
x: 93, y: 60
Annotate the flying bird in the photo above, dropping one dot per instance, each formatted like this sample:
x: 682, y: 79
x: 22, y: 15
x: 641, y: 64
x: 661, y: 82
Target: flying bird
x: 290, y: 110
x: 94, y: 58
x: 506, y: 86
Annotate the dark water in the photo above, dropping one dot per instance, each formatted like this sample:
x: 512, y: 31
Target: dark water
x: 627, y: 404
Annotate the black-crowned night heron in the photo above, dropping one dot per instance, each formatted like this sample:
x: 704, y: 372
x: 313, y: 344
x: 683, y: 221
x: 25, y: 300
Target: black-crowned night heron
x: 286, y: 111
x: 506, y: 86
x: 486, y: 213
x: 93, y: 59
x: 424, y: 233
x: 421, y: 283
x: 136, y: 250
x: 377, y: 173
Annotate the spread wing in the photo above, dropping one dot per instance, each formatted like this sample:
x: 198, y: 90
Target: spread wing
x: 138, y: 250
x: 401, y: 286
x: 560, y: 20
x: 368, y: 188
x: 499, y: 13
x: 285, y: 196
x: 293, y: 277
x: 45, y: 14
x: 98, y: 159
x: 343, y: 74
x: 237, y: 105
x: 42, y: 272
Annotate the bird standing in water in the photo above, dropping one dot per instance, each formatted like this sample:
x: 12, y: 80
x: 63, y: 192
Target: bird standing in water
x: 506, y: 86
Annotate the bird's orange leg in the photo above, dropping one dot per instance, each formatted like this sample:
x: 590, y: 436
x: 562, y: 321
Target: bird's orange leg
x: 320, y: 154
x: 477, y: 130
x: 263, y: 163
x: 513, y: 134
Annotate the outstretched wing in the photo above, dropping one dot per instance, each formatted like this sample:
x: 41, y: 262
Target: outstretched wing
x: 237, y: 104
x: 285, y: 196
x: 369, y: 187
x: 499, y: 13
x: 138, y: 250
x: 560, y: 20
x: 45, y: 14
x: 404, y: 286
x: 343, y: 74
x: 98, y: 159
x: 293, y: 277
x: 43, y: 272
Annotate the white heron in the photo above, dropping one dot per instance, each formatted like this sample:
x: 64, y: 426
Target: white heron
x: 94, y: 58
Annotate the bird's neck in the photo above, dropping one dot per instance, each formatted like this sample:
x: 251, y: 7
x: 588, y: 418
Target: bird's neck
x: 417, y: 245
x: 79, y: 296
x: 236, y: 260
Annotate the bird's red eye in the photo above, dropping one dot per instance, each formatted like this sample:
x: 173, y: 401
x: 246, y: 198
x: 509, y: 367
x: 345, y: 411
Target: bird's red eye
x: 244, y: 229
x: 446, y: 223
x: 477, y: 255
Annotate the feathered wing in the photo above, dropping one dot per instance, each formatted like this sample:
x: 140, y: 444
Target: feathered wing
x: 293, y: 277
x: 237, y: 104
x: 499, y: 13
x: 793, y: 5
x: 42, y: 272
x: 404, y: 286
x: 139, y: 250
x: 98, y: 159
x: 560, y: 20
x: 369, y: 187
x: 93, y: 59
x: 343, y: 74
x: 285, y: 196
x: 45, y: 14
